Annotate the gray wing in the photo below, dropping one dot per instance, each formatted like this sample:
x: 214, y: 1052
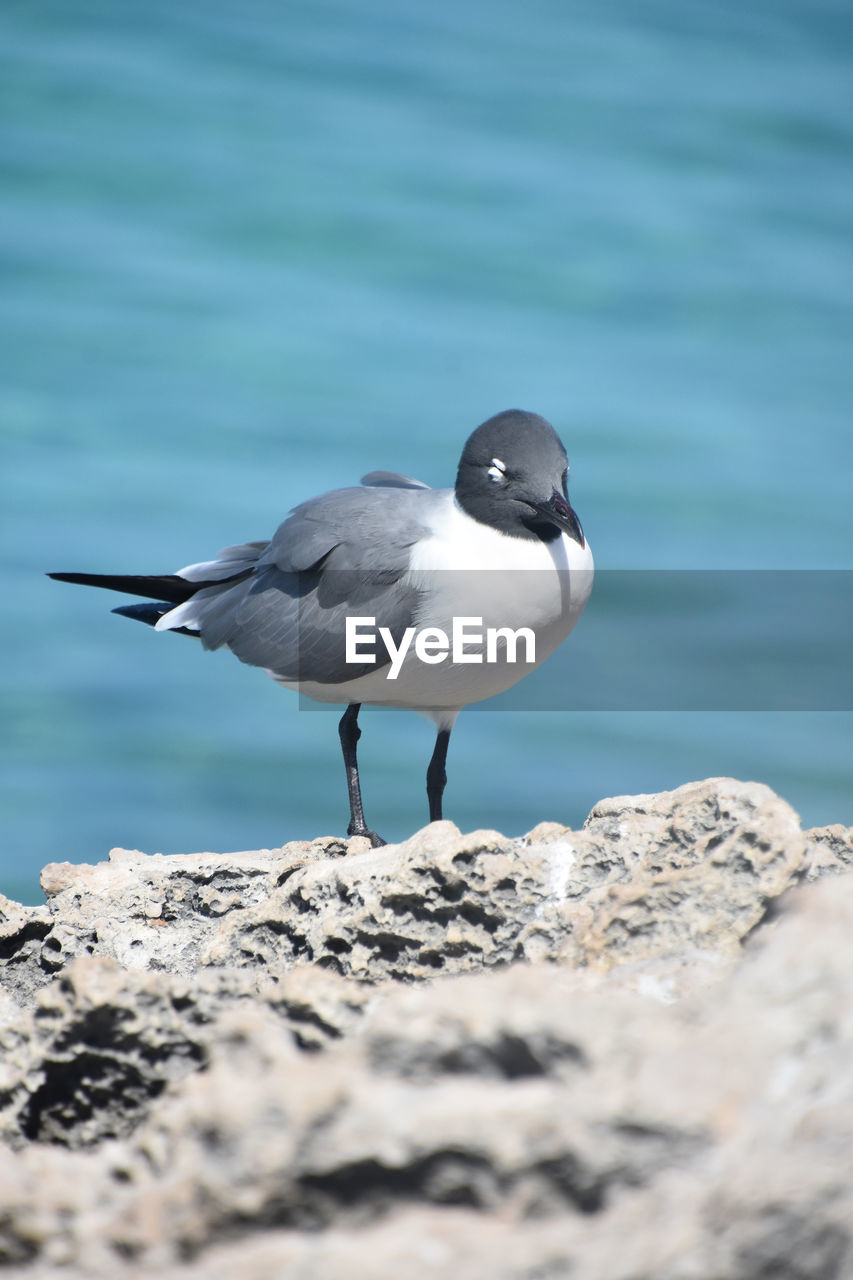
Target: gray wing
x: 391, y: 480
x: 341, y: 554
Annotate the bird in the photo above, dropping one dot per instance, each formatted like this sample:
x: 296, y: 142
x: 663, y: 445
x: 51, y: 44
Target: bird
x: 361, y: 594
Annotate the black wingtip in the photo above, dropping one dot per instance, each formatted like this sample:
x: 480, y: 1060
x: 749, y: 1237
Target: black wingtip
x: 150, y: 612
x: 165, y: 586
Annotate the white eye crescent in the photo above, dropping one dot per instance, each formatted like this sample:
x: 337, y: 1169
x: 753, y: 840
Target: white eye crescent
x: 497, y: 471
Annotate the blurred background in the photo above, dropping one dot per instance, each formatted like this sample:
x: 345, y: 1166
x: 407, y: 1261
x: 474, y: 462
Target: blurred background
x: 251, y: 252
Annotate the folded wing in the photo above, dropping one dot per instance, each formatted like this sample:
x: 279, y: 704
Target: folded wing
x: 342, y: 554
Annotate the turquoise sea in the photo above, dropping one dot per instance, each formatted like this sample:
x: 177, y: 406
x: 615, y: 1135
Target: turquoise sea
x: 250, y: 252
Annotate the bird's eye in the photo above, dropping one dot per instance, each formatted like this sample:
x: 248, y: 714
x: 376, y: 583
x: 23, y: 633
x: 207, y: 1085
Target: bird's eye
x: 497, y: 471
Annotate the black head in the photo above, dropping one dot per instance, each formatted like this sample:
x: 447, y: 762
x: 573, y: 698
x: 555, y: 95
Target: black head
x: 513, y: 476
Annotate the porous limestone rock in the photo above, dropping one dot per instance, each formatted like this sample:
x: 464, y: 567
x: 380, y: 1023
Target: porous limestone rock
x: 622, y: 1053
x: 689, y: 870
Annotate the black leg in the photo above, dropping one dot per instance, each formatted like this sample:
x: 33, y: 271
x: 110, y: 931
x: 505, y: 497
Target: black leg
x: 349, y: 734
x: 436, y: 776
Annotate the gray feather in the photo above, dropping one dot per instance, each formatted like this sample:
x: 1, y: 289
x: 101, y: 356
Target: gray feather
x: 340, y: 554
x: 391, y: 480
x: 242, y: 556
x: 226, y: 564
x: 371, y: 528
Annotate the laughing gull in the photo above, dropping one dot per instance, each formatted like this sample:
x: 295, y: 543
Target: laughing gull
x: 356, y: 596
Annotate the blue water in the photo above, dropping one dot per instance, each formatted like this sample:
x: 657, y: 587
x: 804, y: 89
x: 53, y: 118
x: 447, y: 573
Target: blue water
x: 250, y: 252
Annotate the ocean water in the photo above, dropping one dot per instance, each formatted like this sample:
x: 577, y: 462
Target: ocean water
x: 250, y: 252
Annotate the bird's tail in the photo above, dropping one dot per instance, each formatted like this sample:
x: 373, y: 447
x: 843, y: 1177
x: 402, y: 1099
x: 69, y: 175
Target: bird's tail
x: 168, y: 591
x: 163, y: 592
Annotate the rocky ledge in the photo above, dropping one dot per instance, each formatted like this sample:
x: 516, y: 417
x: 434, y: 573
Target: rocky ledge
x: 619, y: 1053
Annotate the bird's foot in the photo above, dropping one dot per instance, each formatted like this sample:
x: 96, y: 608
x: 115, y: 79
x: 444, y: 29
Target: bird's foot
x: 376, y: 841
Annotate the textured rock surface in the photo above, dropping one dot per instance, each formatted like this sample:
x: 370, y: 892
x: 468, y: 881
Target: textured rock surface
x: 623, y: 1052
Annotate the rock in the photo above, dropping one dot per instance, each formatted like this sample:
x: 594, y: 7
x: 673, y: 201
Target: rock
x: 101, y: 1042
x: 22, y: 934
x: 647, y: 875
x: 620, y: 1053
x: 828, y: 850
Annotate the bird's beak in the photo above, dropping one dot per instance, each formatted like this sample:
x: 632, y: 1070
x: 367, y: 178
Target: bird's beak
x: 558, y: 512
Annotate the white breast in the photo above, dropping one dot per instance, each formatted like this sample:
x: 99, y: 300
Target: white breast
x: 466, y: 567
